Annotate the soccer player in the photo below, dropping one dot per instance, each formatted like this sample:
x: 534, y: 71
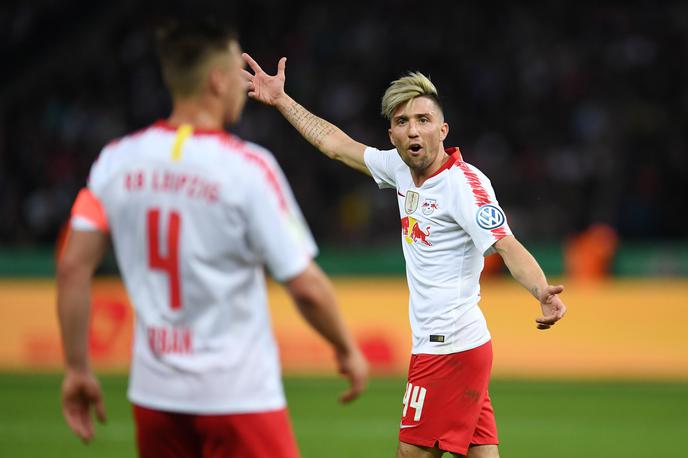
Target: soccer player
x: 195, y: 214
x: 450, y: 219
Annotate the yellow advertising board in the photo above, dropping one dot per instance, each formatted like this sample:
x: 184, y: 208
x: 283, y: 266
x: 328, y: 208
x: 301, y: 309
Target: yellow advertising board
x: 615, y: 329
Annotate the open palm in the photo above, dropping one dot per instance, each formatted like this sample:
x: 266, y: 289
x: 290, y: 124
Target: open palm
x: 263, y: 87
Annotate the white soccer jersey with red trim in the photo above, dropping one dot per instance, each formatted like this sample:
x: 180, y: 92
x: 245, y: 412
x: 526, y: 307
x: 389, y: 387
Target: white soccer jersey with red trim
x: 194, y: 217
x: 447, y: 225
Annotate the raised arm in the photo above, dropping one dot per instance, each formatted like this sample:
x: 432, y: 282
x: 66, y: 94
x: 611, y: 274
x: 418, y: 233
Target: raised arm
x: 328, y: 138
x: 525, y: 269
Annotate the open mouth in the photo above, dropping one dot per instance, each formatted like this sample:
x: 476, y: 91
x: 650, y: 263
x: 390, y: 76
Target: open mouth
x: 415, y: 147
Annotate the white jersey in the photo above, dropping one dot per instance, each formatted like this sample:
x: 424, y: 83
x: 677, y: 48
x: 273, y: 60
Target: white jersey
x: 194, y: 218
x: 447, y: 225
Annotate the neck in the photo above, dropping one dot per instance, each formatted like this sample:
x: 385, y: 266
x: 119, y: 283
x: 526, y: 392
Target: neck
x: 201, y: 112
x: 419, y: 176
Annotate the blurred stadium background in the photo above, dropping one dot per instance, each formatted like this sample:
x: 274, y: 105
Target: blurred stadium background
x: 578, y: 114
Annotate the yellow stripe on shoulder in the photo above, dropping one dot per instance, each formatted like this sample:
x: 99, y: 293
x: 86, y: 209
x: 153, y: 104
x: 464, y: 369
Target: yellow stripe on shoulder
x: 183, y: 132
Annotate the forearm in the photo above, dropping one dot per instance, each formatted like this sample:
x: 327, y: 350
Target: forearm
x: 323, y: 316
x: 315, y: 299
x: 522, y: 265
x: 323, y: 135
x: 73, y: 308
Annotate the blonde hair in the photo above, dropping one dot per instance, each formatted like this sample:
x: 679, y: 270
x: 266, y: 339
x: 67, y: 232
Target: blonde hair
x: 405, y: 89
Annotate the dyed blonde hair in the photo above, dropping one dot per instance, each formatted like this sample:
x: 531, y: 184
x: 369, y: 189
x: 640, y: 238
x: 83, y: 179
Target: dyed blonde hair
x: 405, y: 89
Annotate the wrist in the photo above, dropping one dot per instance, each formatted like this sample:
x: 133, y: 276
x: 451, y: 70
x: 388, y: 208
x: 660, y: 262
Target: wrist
x: 283, y: 101
x: 78, y: 369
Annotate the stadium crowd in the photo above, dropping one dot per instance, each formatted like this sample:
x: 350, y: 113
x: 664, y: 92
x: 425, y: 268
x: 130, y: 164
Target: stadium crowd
x: 578, y: 114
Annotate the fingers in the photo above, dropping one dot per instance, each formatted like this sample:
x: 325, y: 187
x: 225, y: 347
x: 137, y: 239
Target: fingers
x: 355, y: 368
x: 79, y: 421
x: 251, y: 63
x: 281, y: 65
x: 552, y: 289
x: 246, y: 74
x: 100, y: 411
x: 354, y: 391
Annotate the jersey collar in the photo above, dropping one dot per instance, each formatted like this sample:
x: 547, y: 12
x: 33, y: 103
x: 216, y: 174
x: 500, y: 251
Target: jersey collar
x: 165, y: 125
x: 454, y: 157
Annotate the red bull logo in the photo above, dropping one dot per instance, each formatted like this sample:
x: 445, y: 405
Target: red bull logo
x: 412, y: 232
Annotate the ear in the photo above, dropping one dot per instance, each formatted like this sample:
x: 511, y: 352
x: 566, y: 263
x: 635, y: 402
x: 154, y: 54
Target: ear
x: 444, y: 131
x: 391, y: 139
x: 217, y: 81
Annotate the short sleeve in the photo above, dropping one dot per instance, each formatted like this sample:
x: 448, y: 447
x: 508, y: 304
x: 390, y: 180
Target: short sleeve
x: 476, y: 209
x: 88, y: 213
x: 382, y: 166
x: 276, y: 227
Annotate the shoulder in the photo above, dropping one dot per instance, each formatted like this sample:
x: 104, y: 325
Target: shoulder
x: 124, y: 142
x: 248, y: 154
x: 382, y: 152
x: 116, y: 153
x: 389, y: 157
x: 466, y: 173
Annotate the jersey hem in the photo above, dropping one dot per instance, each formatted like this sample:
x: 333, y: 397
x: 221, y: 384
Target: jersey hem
x: 214, y: 409
x: 427, y: 350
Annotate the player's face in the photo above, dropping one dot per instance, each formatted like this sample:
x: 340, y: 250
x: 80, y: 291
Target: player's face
x: 235, y: 91
x: 417, y: 131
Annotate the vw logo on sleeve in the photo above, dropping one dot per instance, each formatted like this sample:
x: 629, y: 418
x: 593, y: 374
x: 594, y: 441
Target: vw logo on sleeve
x: 490, y: 217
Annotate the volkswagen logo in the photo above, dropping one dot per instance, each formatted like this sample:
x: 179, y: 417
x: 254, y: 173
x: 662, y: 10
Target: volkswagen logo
x: 490, y: 217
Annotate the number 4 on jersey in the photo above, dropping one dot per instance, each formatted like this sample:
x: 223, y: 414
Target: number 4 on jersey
x: 415, y: 397
x: 170, y: 262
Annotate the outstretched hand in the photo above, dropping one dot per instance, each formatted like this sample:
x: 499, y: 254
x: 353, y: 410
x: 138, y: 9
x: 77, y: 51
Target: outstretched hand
x: 354, y: 367
x: 262, y: 87
x: 553, y: 308
x: 80, y: 394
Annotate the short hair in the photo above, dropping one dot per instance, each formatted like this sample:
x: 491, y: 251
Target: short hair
x: 184, y: 47
x: 405, y: 89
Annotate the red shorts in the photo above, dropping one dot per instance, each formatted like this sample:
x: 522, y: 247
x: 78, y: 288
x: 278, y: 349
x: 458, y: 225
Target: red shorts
x: 446, y: 404
x: 253, y: 435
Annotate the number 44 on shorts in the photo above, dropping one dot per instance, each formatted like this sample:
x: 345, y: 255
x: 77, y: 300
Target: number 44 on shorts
x: 414, y: 397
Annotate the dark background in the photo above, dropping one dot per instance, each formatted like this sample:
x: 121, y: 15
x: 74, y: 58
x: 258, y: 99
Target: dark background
x: 578, y: 114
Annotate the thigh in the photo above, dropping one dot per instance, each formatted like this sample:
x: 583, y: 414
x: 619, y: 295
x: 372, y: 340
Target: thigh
x: 165, y: 434
x: 486, y: 429
x: 444, y: 399
x: 250, y: 435
x: 415, y: 451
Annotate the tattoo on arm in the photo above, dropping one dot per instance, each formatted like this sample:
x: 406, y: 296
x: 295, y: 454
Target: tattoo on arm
x: 313, y: 128
x: 535, y: 291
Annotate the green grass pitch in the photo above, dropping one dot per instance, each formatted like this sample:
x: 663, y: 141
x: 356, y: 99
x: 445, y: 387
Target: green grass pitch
x: 535, y: 418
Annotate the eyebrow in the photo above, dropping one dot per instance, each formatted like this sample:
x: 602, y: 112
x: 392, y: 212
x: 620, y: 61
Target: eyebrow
x: 417, y: 115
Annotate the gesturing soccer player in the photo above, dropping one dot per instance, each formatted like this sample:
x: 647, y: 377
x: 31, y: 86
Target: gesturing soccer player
x: 450, y: 220
x: 195, y: 214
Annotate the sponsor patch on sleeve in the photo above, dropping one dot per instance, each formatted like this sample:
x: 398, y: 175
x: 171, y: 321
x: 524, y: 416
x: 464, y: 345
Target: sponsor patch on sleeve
x: 490, y: 217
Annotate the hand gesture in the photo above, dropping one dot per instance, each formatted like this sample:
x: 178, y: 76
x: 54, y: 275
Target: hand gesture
x: 354, y: 367
x: 553, y: 308
x: 81, y: 393
x: 262, y: 87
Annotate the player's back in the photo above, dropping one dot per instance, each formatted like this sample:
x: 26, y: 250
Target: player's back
x: 181, y: 208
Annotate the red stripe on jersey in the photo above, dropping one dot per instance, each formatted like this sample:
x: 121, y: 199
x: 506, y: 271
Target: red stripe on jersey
x: 89, y: 207
x: 454, y: 157
x: 480, y: 194
x: 239, y: 146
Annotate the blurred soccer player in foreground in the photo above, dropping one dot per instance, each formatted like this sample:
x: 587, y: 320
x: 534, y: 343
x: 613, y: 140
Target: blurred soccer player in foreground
x: 450, y: 220
x: 195, y: 214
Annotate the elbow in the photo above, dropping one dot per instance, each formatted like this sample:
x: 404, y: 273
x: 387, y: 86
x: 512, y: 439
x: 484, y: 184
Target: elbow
x: 306, y: 289
x: 69, y: 271
x: 304, y: 295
